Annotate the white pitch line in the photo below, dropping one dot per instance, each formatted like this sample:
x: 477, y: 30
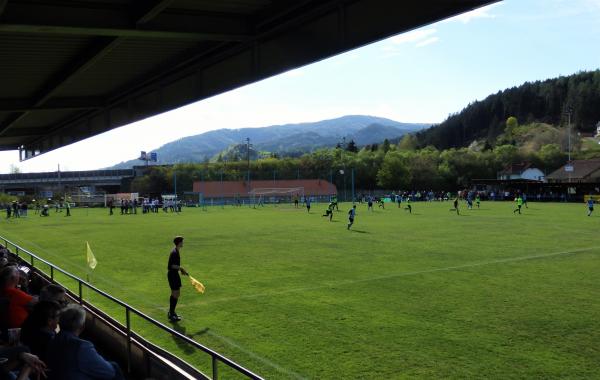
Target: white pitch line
x: 221, y: 338
x: 276, y: 366
x: 347, y: 282
x: 395, y: 275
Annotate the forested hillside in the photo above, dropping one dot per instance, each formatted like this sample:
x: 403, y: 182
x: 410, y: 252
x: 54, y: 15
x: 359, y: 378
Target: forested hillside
x: 541, y: 101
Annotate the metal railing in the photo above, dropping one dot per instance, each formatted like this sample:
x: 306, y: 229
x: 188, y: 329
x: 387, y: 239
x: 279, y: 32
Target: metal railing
x: 215, y: 357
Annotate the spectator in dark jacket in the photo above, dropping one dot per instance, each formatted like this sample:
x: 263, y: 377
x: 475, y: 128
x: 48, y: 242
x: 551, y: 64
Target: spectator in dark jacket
x: 72, y: 358
x: 40, y: 327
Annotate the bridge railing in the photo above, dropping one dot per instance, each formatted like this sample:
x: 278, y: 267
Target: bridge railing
x: 129, y: 310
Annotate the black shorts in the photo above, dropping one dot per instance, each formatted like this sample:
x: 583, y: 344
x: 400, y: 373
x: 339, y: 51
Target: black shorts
x: 174, y: 280
x: 591, y: 208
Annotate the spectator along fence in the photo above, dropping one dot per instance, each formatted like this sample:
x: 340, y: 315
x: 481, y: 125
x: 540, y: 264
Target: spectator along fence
x: 141, y: 356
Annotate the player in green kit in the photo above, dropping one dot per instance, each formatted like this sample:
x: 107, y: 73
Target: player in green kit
x: 455, y: 206
x: 329, y: 211
x: 478, y: 200
x: 519, y: 202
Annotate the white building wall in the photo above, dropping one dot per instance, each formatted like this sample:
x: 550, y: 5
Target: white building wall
x: 533, y: 174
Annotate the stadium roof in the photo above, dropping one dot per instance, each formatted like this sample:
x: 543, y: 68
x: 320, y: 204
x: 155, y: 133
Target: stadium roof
x: 71, y: 69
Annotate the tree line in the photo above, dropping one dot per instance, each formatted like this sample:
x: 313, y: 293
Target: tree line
x: 379, y: 166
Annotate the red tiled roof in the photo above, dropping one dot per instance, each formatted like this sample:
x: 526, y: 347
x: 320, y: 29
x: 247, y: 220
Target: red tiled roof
x: 234, y: 188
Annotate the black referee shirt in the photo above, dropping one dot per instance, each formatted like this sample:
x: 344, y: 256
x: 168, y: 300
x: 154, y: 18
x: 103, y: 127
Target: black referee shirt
x: 174, y: 259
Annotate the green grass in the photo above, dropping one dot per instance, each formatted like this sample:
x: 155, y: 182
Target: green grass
x: 487, y: 294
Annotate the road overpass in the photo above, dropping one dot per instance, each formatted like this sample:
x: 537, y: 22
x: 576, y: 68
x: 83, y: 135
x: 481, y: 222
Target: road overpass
x: 33, y: 183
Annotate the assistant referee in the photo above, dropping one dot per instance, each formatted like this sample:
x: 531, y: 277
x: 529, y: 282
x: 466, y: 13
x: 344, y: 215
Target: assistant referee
x: 174, y: 268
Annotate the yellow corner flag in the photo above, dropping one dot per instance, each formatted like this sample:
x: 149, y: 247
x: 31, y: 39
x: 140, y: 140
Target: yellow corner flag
x: 91, y: 259
x: 197, y: 284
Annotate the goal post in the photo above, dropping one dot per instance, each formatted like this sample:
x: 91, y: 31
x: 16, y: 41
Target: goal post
x: 262, y: 195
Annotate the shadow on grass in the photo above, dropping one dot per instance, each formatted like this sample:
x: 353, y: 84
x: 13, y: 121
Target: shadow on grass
x: 185, y: 347
x: 359, y: 231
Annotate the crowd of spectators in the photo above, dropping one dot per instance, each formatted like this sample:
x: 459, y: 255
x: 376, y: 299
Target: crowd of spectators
x: 485, y: 195
x: 40, y: 331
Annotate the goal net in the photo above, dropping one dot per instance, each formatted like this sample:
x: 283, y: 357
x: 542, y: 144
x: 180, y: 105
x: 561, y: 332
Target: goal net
x: 262, y: 195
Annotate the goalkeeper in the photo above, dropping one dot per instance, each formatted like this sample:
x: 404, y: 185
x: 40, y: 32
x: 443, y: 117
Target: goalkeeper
x: 174, y: 268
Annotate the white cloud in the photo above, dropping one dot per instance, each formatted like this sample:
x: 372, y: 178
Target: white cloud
x: 593, y: 4
x: 479, y: 13
x: 428, y: 41
x: 418, y: 38
x: 414, y: 36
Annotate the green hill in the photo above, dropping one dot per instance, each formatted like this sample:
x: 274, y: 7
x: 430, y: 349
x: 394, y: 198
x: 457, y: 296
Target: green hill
x: 533, y: 102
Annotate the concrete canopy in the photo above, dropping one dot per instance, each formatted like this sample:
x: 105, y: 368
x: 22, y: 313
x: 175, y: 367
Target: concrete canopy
x: 72, y: 69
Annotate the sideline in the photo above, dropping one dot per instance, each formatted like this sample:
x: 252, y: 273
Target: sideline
x: 255, y: 356
x: 154, y: 306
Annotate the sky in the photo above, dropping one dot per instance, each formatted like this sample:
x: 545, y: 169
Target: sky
x: 419, y: 76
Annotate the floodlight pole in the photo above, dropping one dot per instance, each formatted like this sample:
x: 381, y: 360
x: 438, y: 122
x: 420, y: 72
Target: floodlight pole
x: 569, y: 111
x: 344, y: 166
x: 175, y: 182
x: 248, y: 158
x: 569, y: 128
x: 352, y: 185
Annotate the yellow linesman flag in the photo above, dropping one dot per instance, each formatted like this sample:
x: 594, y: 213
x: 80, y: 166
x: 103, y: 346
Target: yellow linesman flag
x: 91, y: 259
x: 197, y: 285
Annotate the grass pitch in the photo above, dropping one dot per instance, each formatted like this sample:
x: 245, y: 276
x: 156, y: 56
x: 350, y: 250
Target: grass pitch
x: 487, y: 294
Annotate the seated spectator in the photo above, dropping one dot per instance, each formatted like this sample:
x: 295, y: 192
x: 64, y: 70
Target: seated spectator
x: 54, y: 293
x: 3, y: 257
x: 24, y: 278
x: 40, y: 327
x: 19, y: 302
x: 20, y: 364
x: 72, y: 358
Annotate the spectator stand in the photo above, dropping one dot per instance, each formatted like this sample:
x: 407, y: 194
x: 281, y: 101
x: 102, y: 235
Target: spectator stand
x: 138, y: 357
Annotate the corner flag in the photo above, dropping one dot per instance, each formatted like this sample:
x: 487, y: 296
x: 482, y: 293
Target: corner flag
x: 197, y: 285
x: 91, y: 259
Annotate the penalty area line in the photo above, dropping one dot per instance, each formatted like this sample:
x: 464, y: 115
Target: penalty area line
x: 397, y: 275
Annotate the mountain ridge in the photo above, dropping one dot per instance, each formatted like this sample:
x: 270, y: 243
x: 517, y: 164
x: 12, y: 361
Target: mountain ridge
x: 281, y: 138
